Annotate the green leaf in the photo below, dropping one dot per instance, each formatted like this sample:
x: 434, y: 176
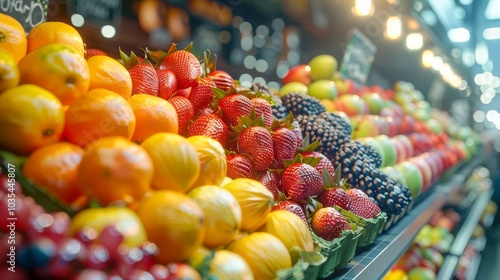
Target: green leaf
x: 157, y: 56
x: 337, y: 175
x: 327, y: 180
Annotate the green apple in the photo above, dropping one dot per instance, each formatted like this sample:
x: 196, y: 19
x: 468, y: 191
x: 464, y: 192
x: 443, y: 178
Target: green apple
x: 434, y: 126
x: 394, y: 174
x: 423, y: 104
x: 421, y: 273
x: 365, y: 127
x: 413, y: 177
x: 322, y: 89
x: 370, y: 141
x: 374, y: 101
x: 293, y: 87
x: 390, y: 155
x: 403, y: 86
x: 417, y: 95
x: 352, y: 105
x: 322, y: 67
x: 421, y: 114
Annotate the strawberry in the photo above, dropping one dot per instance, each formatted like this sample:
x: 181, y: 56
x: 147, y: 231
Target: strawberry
x: 364, y: 207
x: 300, y: 181
x: 235, y: 106
x: 144, y: 79
x: 335, y: 197
x: 328, y: 223
x: 93, y: 52
x: 353, y: 192
x: 263, y: 108
x: 284, y: 145
x: 184, y: 110
x: 298, y: 133
x: 185, y: 66
x: 323, y: 163
x: 257, y: 142
x: 239, y: 166
x: 201, y: 93
x: 222, y: 79
x: 291, y: 206
x: 167, y: 83
x: 271, y: 180
x: 211, y: 126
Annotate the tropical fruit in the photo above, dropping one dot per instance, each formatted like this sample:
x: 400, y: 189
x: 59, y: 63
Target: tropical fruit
x: 222, y: 214
x: 106, y: 72
x: 31, y: 117
x: 227, y: 265
x: 9, y: 73
x: 57, y: 68
x: 100, y: 113
x: 174, y: 222
x: 114, y: 168
x: 55, y: 167
x: 176, y: 163
x: 254, y: 199
x: 51, y: 32
x: 213, y: 165
x: 12, y: 37
x: 264, y: 253
x: 153, y: 115
x: 290, y: 229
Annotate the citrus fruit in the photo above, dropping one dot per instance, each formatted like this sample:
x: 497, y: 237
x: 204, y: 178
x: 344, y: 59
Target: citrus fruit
x: 12, y: 37
x: 98, y: 114
x: 153, y: 114
x: 31, y: 118
x: 108, y: 73
x: 264, y: 253
x: 174, y: 222
x: 213, y: 165
x: 114, y: 168
x: 290, y: 229
x: 54, y: 167
x: 227, y: 265
x: 125, y: 220
x: 51, y: 32
x: 222, y: 214
x: 254, y: 199
x: 9, y: 74
x: 176, y: 163
x: 57, y: 68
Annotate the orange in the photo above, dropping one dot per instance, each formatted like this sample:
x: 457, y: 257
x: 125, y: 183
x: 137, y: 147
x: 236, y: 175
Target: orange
x: 9, y: 74
x: 54, y: 168
x: 174, y: 222
x: 98, y: 114
x: 108, y: 73
x: 153, y: 114
x: 50, y: 32
x: 114, y: 168
x: 31, y: 118
x: 12, y: 37
x: 57, y: 68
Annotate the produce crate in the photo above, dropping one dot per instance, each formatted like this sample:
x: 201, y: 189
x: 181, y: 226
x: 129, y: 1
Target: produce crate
x: 307, y: 265
x: 371, y: 227
x: 348, y: 248
x: 329, y: 249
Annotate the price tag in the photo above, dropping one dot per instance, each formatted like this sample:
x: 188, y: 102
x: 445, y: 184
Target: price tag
x: 28, y: 12
x: 97, y: 12
x: 358, y: 58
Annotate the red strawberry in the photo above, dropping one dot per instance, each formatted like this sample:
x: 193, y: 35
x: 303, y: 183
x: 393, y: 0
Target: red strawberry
x: 291, y: 206
x: 185, y: 66
x: 300, y: 181
x: 256, y: 141
x: 93, y: 52
x: 222, y: 79
x: 353, y: 192
x: 210, y: 125
x: 364, y: 207
x: 201, y: 93
x: 284, y: 144
x: 235, y: 106
x: 323, y: 163
x: 239, y: 166
x: 144, y: 79
x: 271, y: 180
x: 328, y: 223
x: 263, y: 108
x: 167, y: 83
x: 335, y: 197
x: 184, y: 110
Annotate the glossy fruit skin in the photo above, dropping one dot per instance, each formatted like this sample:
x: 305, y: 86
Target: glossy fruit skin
x: 222, y: 79
x: 263, y: 109
x: 291, y: 206
x: 201, y: 94
x: 167, y: 83
x: 227, y: 265
x: 364, y: 207
x: 55, y: 167
x: 235, y: 106
x: 210, y: 125
x: 185, y: 66
x: 301, y: 181
x: 144, y: 79
x: 185, y: 112
x: 258, y: 144
x: 13, y: 37
x: 213, y: 165
x: 284, y: 145
x: 354, y: 192
x: 51, y: 32
x: 108, y: 73
x: 290, y: 229
x: 335, y: 197
x: 57, y: 68
x: 239, y: 166
x: 94, y: 52
x: 328, y: 223
x: 271, y: 180
x: 322, y: 164
x: 31, y: 118
x: 9, y: 73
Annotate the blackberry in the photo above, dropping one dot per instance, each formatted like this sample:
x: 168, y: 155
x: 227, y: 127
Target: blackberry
x: 260, y: 87
x: 302, y: 104
x: 337, y: 122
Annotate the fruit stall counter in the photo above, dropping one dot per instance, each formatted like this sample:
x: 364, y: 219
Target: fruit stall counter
x: 374, y: 261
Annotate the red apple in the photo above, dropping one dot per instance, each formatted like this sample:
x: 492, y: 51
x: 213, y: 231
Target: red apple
x: 351, y: 105
x: 407, y: 145
x: 407, y: 125
x: 425, y: 170
x: 393, y: 126
x: 298, y: 73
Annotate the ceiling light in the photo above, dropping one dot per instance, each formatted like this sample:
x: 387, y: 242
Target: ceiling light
x: 466, y: 2
x: 463, y: 85
x: 437, y: 63
x: 363, y: 7
x: 108, y: 31
x: 479, y: 116
x: 492, y: 12
x: 414, y: 41
x: 459, y: 35
x: 393, y: 29
x: 481, y: 53
x: 427, y: 58
x: 429, y: 17
x: 492, y: 33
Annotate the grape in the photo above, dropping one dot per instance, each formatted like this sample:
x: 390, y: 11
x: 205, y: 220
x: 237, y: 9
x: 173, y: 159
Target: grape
x: 97, y: 257
x: 87, y: 235
x: 91, y: 274
x: 149, y: 252
x: 111, y: 238
x: 138, y: 274
x: 59, y: 227
x: 160, y: 272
